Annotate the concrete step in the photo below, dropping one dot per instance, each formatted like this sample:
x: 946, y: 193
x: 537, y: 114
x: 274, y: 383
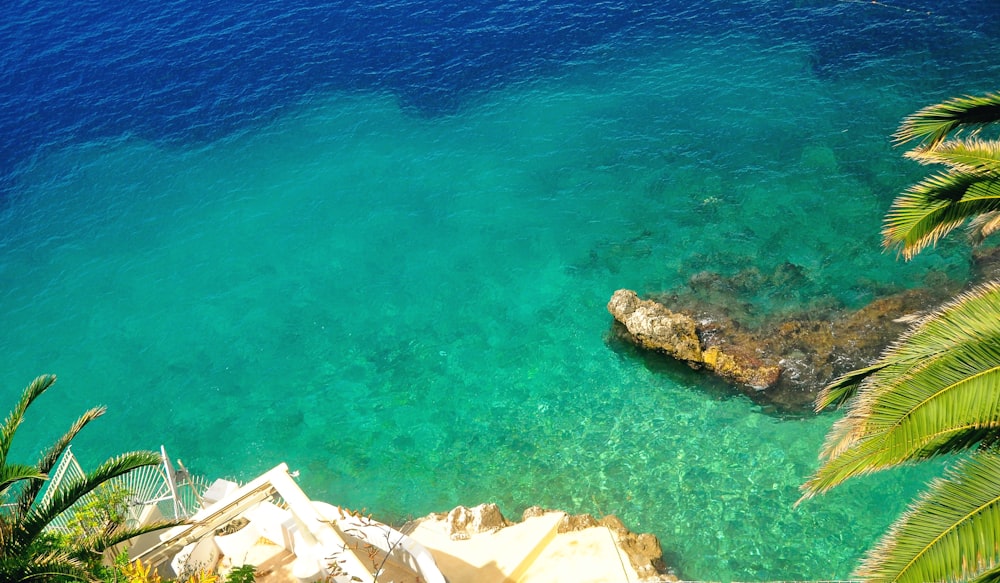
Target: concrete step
x: 502, y: 556
x: 584, y: 556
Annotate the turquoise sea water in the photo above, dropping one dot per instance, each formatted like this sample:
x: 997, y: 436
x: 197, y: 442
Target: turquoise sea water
x: 410, y: 309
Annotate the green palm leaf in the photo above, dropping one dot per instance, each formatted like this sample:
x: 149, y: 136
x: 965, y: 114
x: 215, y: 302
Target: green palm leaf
x: 936, y: 390
x: 119, y: 534
x: 29, y: 493
x: 971, y: 156
x: 68, y: 494
x: 43, y: 566
x: 16, y: 416
x: 844, y: 387
x: 988, y: 577
x: 11, y: 474
x: 26, y: 552
x: 950, y: 532
x: 932, y: 208
x: 933, y: 123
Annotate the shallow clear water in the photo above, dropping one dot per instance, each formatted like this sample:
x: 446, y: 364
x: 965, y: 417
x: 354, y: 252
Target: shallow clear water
x: 408, y: 306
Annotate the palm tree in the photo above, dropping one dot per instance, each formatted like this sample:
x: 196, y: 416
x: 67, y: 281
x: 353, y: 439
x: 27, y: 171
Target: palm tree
x: 936, y: 390
x: 26, y: 553
x: 969, y: 187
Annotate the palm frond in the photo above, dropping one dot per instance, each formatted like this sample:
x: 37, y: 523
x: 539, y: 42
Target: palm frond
x: 11, y: 474
x: 16, y: 416
x: 841, y: 389
x: 46, y: 559
x: 950, y: 532
x: 119, y: 534
x: 935, y: 390
x: 29, y: 494
x: 970, y: 156
x: 933, y: 123
x: 932, y: 208
x: 39, y: 517
x: 991, y: 576
x: 43, y: 567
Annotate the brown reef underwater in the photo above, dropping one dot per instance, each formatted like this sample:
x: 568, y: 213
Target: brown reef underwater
x: 782, y: 361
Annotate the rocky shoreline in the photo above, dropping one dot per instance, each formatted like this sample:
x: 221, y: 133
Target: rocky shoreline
x: 779, y: 362
x: 782, y: 364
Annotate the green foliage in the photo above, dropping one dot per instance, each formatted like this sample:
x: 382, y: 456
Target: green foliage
x: 243, y: 574
x: 138, y: 572
x: 925, y: 395
x: 954, y: 525
x: 27, y: 552
x: 936, y: 390
x: 935, y: 122
x: 105, y: 509
x: 125, y: 571
x: 936, y: 206
x: 967, y: 190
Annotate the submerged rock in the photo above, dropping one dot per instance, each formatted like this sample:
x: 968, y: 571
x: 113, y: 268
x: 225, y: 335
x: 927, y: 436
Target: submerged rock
x: 653, y: 326
x: 781, y: 363
x: 986, y: 263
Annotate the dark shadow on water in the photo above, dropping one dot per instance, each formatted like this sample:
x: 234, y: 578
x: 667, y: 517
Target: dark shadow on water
x: 712, y: 386
x: 673, y: 369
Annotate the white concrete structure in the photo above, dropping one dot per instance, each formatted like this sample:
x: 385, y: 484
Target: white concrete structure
x: 532, y: 551
x: 271, y: 524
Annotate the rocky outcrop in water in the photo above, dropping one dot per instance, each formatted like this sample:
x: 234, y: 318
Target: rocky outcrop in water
x: 986, y: 263
x: 781, y: 363
x: 653, y: 326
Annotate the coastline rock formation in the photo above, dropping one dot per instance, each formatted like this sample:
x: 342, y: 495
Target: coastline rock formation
x: 653, y: 326
x: 986, y: 263
x: 464, y: 522
x: 781, y: 363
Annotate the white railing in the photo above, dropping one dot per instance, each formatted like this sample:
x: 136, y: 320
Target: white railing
x: 176, y: 493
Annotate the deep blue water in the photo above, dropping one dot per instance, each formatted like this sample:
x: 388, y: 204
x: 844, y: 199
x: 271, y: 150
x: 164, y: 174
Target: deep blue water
x: 375, y: 241
x: 182, y: 71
